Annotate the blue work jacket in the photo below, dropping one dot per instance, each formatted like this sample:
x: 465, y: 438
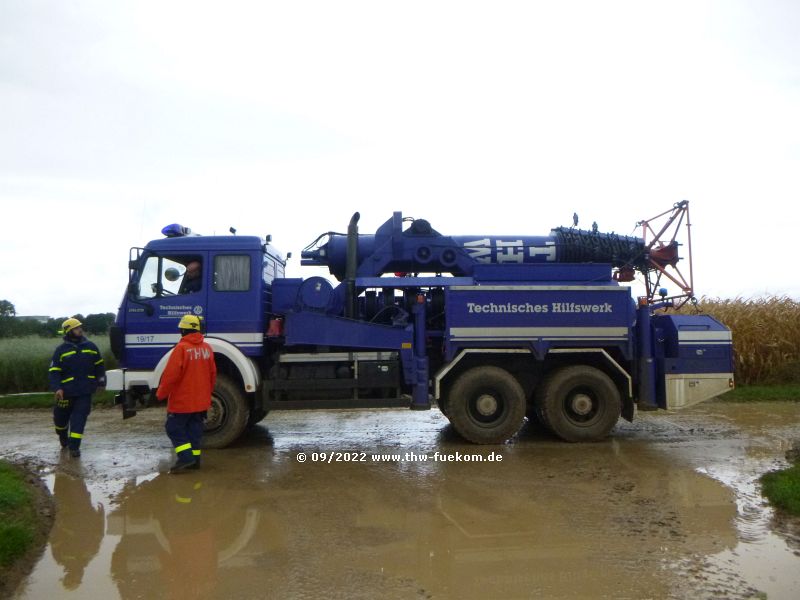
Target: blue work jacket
x: 77, y: 368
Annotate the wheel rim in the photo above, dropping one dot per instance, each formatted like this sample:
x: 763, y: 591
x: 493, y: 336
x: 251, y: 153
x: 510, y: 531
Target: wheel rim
x: 216, y: 415
x: 486, y: 407
x: 581, y: 406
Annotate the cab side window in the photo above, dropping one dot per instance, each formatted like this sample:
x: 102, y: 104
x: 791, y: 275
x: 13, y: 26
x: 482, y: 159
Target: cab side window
x: 231, y: 273
x: 162, y: 277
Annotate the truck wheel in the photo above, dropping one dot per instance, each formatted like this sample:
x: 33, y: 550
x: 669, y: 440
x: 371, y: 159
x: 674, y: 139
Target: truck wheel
x: 486, y: 405
x: 227, y: 417
x: 579, y: 403
x: 256, y: 416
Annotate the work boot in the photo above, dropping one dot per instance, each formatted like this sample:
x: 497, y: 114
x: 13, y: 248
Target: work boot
x: 75, y: 452
x: 183, y: 465
x: 62, y: 439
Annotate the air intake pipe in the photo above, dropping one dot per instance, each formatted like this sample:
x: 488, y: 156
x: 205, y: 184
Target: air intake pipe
x: 351, y: 267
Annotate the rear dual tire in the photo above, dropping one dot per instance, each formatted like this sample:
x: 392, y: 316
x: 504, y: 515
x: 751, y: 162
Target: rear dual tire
x: 578, y: 403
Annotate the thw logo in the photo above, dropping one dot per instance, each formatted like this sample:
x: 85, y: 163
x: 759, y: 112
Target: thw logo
x: 198, y: 353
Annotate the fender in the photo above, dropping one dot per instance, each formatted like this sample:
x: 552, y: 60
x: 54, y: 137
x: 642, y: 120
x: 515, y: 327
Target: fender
x: 251, y: 378
x: 614, y: 364
x: 440, y: 375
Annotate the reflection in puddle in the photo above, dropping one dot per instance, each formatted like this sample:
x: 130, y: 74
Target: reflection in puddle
x: 179, y: 535
x: 183, y: 536
x: 77, y: 530
x: 74, y: 564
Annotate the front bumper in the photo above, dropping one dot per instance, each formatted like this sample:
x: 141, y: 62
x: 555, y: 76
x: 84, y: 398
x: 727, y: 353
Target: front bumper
x: 123, y: 379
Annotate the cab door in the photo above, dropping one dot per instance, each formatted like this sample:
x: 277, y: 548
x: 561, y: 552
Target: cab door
x: 236, y: 300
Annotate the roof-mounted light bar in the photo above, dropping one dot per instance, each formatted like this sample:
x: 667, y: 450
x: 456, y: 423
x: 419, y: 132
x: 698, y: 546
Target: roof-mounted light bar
x: 176, y: 230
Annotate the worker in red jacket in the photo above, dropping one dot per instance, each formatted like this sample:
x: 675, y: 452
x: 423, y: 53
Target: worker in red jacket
x: 186, y: 384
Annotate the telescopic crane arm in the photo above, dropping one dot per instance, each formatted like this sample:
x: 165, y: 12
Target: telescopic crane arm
x: 419, y: 248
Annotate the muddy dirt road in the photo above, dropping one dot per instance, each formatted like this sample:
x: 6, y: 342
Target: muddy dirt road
x: 386, y: 505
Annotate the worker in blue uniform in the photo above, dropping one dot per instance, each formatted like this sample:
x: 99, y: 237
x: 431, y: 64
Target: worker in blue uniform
x: 76, y: 371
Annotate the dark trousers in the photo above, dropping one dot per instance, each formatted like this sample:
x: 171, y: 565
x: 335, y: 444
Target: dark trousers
x: 69, y: 417
x: 185, y: 431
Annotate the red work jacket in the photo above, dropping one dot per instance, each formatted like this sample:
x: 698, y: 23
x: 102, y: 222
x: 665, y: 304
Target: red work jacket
x: 190, y: 375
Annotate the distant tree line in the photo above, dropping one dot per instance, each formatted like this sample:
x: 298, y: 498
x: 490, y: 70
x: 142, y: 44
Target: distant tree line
x: 13, y: 326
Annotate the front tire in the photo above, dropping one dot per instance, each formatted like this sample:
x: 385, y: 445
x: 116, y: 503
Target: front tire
x: 256, y: 416
x: 486, y: 405
x: 228, y: 415
x: 579, y: 403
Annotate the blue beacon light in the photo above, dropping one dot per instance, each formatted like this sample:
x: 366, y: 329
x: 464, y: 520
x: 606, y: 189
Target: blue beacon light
x: 175, y: 230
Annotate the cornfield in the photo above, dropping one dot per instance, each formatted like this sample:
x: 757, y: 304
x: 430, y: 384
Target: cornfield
x: 766, y: 336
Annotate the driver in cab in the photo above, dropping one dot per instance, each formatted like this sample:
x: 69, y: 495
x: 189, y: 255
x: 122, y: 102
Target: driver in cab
x: 192, y: 278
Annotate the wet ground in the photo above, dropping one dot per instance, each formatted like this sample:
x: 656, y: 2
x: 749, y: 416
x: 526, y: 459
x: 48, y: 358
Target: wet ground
x: 387, y: 505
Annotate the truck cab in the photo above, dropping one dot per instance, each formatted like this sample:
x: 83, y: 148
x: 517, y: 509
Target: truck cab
x: 231, y: 293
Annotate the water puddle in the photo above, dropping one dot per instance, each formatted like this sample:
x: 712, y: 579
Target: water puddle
x: 665, y: 509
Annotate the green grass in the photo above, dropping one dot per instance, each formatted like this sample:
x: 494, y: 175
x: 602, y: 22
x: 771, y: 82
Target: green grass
x: 782, y: 488
x: 45, y: 400
x: 754, y: 393
x: 18, y: 519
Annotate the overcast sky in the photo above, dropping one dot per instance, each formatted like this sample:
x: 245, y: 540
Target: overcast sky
x: 117, y: 118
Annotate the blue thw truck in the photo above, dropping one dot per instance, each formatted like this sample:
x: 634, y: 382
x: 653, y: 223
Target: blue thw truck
x: 489, y: 328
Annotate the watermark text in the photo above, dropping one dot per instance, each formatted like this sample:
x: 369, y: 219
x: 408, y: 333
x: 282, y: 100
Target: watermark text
x: 397, y: 457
